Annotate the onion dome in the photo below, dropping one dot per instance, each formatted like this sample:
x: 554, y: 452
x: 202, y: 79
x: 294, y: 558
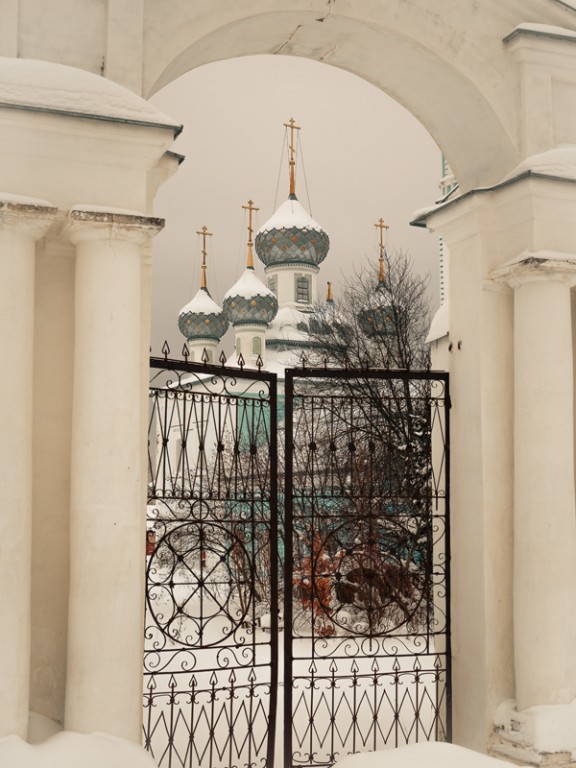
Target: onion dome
x: 249, y: 301
x: 380, y: 318
x: 292, y: 236
x: 377, y: 321
x: 202, y: 318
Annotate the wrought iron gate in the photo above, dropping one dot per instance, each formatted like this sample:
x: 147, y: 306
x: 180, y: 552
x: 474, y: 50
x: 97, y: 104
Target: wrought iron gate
x: 210, y: 676
x: 367, y: 657
x: 349, y: 557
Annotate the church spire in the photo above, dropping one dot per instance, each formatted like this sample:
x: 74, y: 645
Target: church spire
x: 329, y: 296
x: 381, y: 226
x: 251, y: 209
x: 291, y: 124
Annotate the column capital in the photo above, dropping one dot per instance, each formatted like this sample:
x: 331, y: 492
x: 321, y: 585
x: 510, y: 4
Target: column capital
x: 538, y: 266
x: 91, y: 223
x: 26, y: 215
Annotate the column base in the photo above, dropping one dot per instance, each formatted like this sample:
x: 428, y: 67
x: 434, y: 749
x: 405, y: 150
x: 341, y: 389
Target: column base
x: 540, y: 736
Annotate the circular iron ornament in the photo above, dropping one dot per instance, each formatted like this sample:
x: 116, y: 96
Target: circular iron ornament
x: 199, y: 588
x: 380, y: 579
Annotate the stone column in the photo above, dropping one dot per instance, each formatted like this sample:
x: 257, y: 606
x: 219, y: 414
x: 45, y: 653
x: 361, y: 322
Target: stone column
x: 107, y: 517
x: 21, y: 224
x: 544, y: 507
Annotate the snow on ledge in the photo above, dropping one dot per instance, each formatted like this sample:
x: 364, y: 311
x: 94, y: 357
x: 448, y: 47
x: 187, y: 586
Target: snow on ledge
x: 425, y: 755
x: 85, y: 208
x: 6, y: 198
x: 68, y: 749
x: 440, y: 325
x: 51, y: 87
x: 560, y: 162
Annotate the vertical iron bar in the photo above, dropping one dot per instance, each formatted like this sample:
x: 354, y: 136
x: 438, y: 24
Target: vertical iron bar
x: 288, y: 562
x: 273, y: 538
x: 448, y: 630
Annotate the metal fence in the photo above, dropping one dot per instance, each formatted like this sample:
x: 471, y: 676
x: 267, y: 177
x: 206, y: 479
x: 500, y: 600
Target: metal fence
x: 316, y: 512
x: 367, y: 620
x: 210, y: 674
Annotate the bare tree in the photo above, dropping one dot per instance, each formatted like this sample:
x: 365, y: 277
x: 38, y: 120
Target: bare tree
x: 376, y: 323
x: 365, y: 441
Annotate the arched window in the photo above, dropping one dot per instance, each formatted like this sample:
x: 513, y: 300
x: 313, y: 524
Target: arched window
x: 273, y: 284
x: 303, y: 286
x: 238, y: 346
x: 256, y: 345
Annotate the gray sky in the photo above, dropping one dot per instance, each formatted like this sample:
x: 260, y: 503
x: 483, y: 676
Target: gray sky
x: 364, y: 157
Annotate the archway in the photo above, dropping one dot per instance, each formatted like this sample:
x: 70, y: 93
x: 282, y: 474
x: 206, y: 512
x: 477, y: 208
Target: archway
x: 407, y: 52
x: 494, y: 83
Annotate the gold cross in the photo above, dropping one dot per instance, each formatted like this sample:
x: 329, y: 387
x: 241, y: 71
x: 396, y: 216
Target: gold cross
x: 293, y: 127
x: 381, y: 226
x: 250, y: 208
x: 204, y: 232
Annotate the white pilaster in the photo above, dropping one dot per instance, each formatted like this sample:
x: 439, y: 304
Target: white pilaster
x: 107, y: 519
x: 544, y: 507
x: 21, y: 224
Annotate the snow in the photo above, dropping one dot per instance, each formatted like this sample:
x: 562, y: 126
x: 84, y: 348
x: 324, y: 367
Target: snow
x: 428, y: 755
x: 6, y: 198
x: 560, y: 161
x: 248, y: 286
x: 85, y: 208
x: 202, y: 304
x: 291, y: 214
x: 418, y: 218
x: 55, y: 87
x: 546, y: 728
x: 440, y: 325
x: 68, y: 749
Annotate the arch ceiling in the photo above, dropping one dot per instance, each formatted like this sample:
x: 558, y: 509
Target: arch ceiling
x: 444, y: 61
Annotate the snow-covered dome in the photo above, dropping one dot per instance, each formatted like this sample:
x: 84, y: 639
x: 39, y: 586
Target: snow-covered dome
x: 202, y: 318
x: 291, y: 236
x: 249, y: 301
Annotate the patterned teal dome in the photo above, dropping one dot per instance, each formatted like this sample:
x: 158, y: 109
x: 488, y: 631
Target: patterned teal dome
x: 291, y: 236
x: 377, y: 321
x: 202, y: 318
x: 249, y: 301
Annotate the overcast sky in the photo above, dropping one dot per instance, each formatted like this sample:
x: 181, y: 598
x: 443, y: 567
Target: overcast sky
x: 364, y: 157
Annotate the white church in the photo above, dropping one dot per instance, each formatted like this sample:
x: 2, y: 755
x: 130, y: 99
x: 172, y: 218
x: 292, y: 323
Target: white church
x: 269, y: 321
x: 82, y: 155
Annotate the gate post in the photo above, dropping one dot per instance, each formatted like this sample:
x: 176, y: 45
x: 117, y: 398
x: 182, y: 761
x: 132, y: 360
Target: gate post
x: 21, y: 224
x: 107, y: 521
